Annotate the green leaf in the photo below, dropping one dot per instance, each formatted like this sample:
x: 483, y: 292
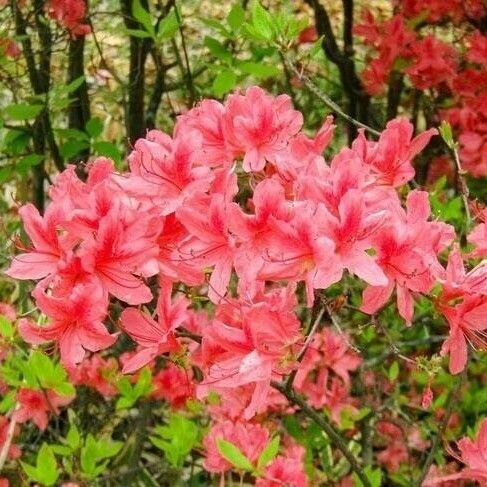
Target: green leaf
x: 393, y: 371
x: 143, y: 17
x: 447, y: 134
x: 269, y: 453
x: 6, y: 173
x: 94, y: 127
x: 234, y: 455
x: 75, y: 84
x: 6, y: 327
x: 218, y: 49
x: 374, y: 476
x: 258, y: 69
x: 261, y: 21
x: 224, y: 82
x: 46, y: 465
x: 22, y: 111
x: 141, y: 34
x: 108, y: 149
x: 72, y: 148
x: 176, y: 439
x: 27, y: 162
x: 236, y: 17
x: 168, y: 26
x: 73, y: 437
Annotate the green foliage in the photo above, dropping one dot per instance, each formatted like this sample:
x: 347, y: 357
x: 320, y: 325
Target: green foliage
x: 176, y: 439
x: 45, y: 471
x: 129, y: 394
x: 95, y: 455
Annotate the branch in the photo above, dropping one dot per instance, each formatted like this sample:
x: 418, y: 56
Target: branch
x: 326, y: 426
x: 8, y: 440
x: 328, y: 101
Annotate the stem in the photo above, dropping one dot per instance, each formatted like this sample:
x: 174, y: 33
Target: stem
x: 328, y: 101
x: 462, y: 184
x: 326, y: 426
x: 8, y: 440
x: 307, y: 343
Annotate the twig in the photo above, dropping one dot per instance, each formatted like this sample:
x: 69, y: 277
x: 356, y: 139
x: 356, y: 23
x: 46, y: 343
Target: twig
x: 462, y: 184
x: 326, y: 426
x: 8, y: 439
x: 307, y: 343
x: 327, y: 100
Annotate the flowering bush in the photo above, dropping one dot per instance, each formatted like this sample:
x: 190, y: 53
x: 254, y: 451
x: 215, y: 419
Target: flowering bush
x: 260, y: 291
x: 217, y: 254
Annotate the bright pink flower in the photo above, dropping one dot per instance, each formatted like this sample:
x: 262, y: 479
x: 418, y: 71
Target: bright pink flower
x: 116, y: 252
x: 391, y: 156
x: 248, y: 344
x: 42, y: 260
x: 250, y: 438
x: 467, y: 323
x: 473, y: 453
x: 407, y: 252
x: 154, y: 338
x: 163, y: 170
x: 75, y: 322
x: 210, y: 243
x: 284, y: 471
x: 34, y: 405
x: 258, y: 126
x: 478, y: 48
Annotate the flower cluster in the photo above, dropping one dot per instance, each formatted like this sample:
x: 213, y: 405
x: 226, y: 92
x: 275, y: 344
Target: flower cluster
x: 239, y: 210
x: 408, y: 45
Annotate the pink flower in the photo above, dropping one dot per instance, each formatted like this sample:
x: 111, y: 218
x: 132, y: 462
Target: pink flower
x: 153, y: 338
x: 250, y: 438
x: 284, y: 471
x: 210, y: 243
x: 473, y: 453
x: 258, y: 126
x: 467, y: 322
x: 76, y: 322
x: 42, y: 260
x: 391, y: 156
x: 35, y: 406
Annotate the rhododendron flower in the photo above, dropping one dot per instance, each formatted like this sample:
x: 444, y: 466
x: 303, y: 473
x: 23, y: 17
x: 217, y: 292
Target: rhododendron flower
x: 467, y: 322
x: 250, y: 438
x: 34, y: 405
x: 154, y: 338
x: 473, y: 453
x: 75, y: 322
x: 42, y: 260
x: 407, y: 252
x: 390, y: 157
x: 258, y: 126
